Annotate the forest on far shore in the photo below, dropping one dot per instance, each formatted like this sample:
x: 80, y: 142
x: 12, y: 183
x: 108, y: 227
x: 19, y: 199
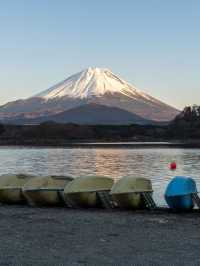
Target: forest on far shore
x: 185, y: 128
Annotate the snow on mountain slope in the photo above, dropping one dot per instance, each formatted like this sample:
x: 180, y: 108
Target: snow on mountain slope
x: 93, y: 82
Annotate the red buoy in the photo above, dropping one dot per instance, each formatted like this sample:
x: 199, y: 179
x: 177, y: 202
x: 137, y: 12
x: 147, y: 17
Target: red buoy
x: 173, y: 166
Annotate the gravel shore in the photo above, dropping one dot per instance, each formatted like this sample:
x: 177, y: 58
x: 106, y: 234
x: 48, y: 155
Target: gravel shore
x: 60, y: 236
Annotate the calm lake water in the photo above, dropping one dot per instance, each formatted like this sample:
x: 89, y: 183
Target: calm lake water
x: 152, y: 163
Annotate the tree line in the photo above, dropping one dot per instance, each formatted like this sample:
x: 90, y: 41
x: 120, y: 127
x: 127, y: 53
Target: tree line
x: 185, y: 127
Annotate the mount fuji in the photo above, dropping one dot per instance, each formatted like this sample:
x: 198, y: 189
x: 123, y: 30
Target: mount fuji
x: 94, y: 92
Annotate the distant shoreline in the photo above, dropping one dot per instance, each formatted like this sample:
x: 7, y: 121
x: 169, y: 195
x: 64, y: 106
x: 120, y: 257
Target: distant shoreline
x: 125, y: 145
x: 99, y: 136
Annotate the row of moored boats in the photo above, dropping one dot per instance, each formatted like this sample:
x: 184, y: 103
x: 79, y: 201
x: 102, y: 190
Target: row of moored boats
x: 95, y: 191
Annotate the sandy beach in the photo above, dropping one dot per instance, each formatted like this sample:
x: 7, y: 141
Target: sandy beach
x: 60, y: 236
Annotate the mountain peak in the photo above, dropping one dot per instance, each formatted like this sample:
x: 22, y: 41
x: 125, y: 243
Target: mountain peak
x: 96, y: 70
x: 90, y: 82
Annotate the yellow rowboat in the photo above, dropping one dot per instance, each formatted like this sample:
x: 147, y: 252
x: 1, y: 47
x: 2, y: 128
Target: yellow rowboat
x: 133, y: 193
x: 88, y: 191
x: 46, y: 190
x: 11, y: 188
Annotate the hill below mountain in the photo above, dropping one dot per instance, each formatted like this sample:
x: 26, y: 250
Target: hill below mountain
x: 89, y: 114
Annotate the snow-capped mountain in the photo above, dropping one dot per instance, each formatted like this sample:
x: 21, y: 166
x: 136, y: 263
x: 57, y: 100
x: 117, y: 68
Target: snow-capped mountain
x: 92, y: 82
x: 91, y: 86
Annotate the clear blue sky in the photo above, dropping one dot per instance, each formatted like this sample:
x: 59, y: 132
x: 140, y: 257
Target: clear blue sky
x: 153, y: 44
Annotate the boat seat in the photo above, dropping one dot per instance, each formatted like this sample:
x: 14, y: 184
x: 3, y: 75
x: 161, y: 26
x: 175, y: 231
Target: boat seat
x: 196, y: 199
x: 70, y: 203
x: 148, y: 200
x: 105, y: 199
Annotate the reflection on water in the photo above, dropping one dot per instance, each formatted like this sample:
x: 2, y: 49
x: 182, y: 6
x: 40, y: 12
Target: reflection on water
x: 118, y: 162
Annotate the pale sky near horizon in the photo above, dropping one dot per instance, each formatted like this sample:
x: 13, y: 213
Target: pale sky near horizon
x: 155, y: 45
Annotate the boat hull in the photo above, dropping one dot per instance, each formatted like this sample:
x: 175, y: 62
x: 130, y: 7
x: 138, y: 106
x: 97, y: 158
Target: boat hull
x: 43, y: 197
x: 83, y: 191
x: 129, y: 200
x: 46, y: 190
x: 82, y: 199
x: 11, y: 196
x: 11, y: 188
x: 181, y: 203
x: 127, y: 192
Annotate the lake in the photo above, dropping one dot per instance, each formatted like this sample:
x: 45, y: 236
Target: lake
x: 115, y: 162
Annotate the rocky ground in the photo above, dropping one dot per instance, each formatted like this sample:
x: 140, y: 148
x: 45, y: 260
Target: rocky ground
x: 59, y: 236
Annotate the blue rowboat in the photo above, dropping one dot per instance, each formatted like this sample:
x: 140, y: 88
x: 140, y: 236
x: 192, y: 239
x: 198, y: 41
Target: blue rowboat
x: 179, y: 193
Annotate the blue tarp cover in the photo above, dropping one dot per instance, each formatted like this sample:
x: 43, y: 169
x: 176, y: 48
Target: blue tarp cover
x: 181, y: 185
